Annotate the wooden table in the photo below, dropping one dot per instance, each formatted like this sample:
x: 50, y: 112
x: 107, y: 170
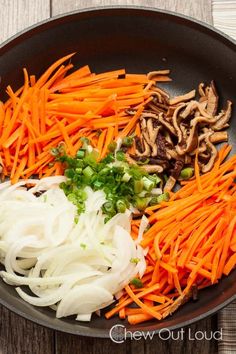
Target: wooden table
x: 18, y: 335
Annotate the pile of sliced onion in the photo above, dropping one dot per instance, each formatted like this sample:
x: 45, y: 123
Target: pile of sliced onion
x: 74, y: 265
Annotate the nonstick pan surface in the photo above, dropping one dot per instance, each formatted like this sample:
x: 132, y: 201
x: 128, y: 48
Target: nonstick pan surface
x: 139, y: 40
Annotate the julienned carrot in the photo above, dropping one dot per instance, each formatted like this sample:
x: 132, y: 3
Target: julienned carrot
x: 126, y: 302
x: 147, y: 309
x: 56, y: 107
x: 191, y: 242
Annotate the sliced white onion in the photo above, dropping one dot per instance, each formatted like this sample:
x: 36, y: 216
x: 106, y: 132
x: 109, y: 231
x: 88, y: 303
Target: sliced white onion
x: 83, y: 299
x: 75, y: 268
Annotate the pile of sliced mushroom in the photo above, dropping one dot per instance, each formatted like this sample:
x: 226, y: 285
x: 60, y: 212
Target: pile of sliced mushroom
x: 174, y: 129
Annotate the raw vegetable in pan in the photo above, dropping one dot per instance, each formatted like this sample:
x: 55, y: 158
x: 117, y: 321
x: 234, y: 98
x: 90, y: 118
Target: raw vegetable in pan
x: 102, y: 217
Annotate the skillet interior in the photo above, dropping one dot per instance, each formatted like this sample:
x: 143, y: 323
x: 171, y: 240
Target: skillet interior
x: 140, y: 40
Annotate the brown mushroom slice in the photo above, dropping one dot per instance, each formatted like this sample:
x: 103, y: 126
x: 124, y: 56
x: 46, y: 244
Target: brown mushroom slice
x: 198, y: 107
x: 182, y: 299
x: 175, y: 122
x: 163, y: 106
x: 158, y: 95
x: 170, y: 112
x: 170, y: 183
x: 213, y: 155
x: 168, y: 138
x: 201, y: 89
x: 166, y: 124
x: 223, y: 117
x: 159, y: 75
x: 152, y: 132
x: 212, y: 100
x: 161, y: 91
x: 149, y: 134
x: 130, y: 160
x: 172, y: 154
x: 201, y: 108
x: 164, y: 144
x: 187, y: 159
x: 192, y: 140
x: 182, y: 98
x: 155, y: 108
x: 184, y: 131
x: 219, y: 137
x: 141, y: 147
x: 178, y: 166
x: 190, y: 107
x: 164, y: 163
x: 153, y: 168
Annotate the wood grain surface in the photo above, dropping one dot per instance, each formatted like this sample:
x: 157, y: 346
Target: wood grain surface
x: 20, y: 336
x: 200, y: 9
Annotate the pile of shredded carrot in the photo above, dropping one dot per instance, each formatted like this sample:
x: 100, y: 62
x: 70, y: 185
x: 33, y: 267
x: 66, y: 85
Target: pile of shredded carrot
x: 191, y: 241
x: 60, y: 108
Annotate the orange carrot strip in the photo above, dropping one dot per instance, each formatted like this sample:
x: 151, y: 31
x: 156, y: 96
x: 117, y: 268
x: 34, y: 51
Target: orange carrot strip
x: 13, y: 170
x: 66, y: 138
x: 109, y: 138
x: 131, y: 123
x: 42, y: 80
x: 230, y: 264
x: 19, y: 170
x: 147, y: 309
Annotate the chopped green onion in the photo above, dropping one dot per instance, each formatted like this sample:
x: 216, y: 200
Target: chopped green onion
x: 72, y: 198
x: 137, y: 283
x: 108, y: 159
x: 148, y: 184
x: 138, y: 186
x: 141, y: 203
x: 112, y: 146
x: 163, y: 197
x: 155, y: 178
x: 104, y: 171
x: 54, y: 151
x: 127, y: 141
x: 134, y: 260
x: 121, y: 206
x: 154, y: 201
x: 98, y: 184
x: 120, y: 155
x: 85, y: 142
x: 187, y: 173
x: 126, y: 177
x: 88, y: 172
x: 69, y: 173
x: 80, y: 154
x: 109, y: 208
x: 83, y: 245
x: 78, y: 170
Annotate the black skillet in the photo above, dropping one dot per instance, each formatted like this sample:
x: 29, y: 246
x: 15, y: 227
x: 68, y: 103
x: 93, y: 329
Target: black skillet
x: 139, y: 40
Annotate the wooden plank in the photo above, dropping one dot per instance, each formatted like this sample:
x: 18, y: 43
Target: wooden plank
x: 199, y: 9
x: 67, y: 344
x: 16, y: 15
x: 18, y: 335
x: 70, y: 344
